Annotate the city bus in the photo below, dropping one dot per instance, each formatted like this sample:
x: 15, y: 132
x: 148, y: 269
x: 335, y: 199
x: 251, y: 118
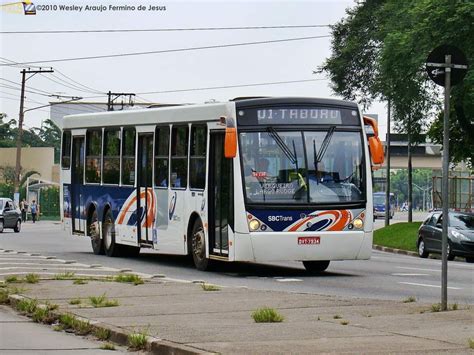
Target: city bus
x: 251, y: 180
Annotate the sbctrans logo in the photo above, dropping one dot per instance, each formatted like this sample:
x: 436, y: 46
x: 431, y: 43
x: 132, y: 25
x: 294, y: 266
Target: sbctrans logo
x: 20, y: 7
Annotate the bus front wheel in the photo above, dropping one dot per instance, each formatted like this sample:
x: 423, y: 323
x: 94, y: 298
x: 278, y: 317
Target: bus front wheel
x: 198, y: 246
x: 316, y: 267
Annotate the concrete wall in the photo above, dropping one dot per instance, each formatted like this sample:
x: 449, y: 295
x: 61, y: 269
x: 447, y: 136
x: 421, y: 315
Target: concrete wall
x: 38, y: 159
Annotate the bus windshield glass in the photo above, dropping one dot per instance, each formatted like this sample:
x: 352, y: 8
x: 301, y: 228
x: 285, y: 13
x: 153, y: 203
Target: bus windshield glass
x: 294, y: 167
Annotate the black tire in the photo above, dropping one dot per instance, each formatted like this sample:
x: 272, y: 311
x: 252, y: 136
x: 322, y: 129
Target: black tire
x: 422, y: 252
x: 451, y: 256
x: 198, y: 247
x: 316, y: 267
x: 93, y: 230
x: 17, y: 227
x: 469, y: 259
x: 108, y: 233
x: 1, y: 225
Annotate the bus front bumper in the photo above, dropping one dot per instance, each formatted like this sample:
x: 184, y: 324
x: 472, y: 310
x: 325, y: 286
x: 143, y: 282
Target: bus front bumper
x: 290, y: 246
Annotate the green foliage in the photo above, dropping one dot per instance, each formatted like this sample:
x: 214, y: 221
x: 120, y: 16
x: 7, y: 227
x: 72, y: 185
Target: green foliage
x: 80, y: 282
x: 102, y: 301
x: 400, y: 236
x: 379, y: 51
x: 409, y: 299
x: 107, y: 346
x: 102, y: 333
x: 67, y: 275
x: 32, y: 278
x: 471, y: 343
x: 4, y: 292
x: 209, y: 287
x: 135, y: 279
x: 399, y: 184
x: 436, y: 307
x: 267, y: 315
x: 80, y: 327
x: 337, y: 316
x: 49, y: 201
x: 137, y: 341
x: 11, y: 278
x: 75, y: 301
x: 27, y: 305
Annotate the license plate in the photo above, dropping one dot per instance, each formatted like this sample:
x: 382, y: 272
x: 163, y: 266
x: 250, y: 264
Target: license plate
x: 308, y: 240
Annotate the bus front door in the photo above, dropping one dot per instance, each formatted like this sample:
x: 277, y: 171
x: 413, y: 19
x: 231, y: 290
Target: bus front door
x: 77, y: 181
x: 221, y: 201
x: 146, y: 206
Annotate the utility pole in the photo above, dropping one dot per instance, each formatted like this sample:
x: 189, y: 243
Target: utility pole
x: 20, y: 121
x: 115, y: 95
x: 387, y: 159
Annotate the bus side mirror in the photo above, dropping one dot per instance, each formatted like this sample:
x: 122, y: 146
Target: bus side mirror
x: 230, y: 140
x: 375, y: 145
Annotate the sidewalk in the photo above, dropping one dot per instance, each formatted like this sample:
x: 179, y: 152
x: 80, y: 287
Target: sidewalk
x: 182, y: 318
x: 19, y: 335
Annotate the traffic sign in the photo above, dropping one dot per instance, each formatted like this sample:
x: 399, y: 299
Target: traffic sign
x: 436, y: 64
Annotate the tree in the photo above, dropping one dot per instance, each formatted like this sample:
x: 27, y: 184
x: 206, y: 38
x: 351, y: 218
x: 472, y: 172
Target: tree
x: 379, y: 52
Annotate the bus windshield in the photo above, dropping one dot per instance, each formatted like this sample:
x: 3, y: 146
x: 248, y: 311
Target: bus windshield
x: 295, y: 167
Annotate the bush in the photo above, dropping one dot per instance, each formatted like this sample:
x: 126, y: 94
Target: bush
x: 267, y: 315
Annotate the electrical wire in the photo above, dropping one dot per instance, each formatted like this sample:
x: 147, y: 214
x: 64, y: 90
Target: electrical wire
x: 167, y: 29
x: 171, y: 50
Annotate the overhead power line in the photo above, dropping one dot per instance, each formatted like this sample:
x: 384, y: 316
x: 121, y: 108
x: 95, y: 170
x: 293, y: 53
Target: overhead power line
x: 229, y: 86
x: 170, y: 50
x: 165, y: 29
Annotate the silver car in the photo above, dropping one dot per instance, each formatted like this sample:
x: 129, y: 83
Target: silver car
x: 10, y: 215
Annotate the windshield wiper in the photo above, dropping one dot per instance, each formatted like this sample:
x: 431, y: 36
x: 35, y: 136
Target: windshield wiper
x: 282, y: 145
x: 325, y: 144
x: 315, y: 161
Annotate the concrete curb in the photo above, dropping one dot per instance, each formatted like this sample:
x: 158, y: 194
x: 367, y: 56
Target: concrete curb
x: 395, y: 251
x: 120, y: 336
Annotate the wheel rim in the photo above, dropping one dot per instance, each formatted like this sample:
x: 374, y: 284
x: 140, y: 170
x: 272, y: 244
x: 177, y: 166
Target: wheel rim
x: 108, y: 234
x: 94, y: 230
x: 199, y: 244
x: 421, y: 247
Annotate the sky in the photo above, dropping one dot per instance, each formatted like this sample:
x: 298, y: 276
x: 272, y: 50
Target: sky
x: 172, y: 69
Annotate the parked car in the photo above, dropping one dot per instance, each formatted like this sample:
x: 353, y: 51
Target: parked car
x: 10, y: 215
x: 460, y: 235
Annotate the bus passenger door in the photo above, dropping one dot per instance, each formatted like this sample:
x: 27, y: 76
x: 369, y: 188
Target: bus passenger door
x: 221, y: 201
x: 146, y: 206
x: 77, y: 181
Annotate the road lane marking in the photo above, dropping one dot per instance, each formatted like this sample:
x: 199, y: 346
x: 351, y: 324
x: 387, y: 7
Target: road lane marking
x: 406, y: 274
x: 417, y: 268
x: 289, y: 280
x: 425, y: 285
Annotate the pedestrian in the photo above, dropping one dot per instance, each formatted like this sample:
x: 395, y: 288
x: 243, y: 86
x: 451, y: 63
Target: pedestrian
x: 23, y: 208
x: 34, y: 210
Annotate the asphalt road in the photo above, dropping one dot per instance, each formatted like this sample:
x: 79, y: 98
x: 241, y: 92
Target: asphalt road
x: 385, y: 276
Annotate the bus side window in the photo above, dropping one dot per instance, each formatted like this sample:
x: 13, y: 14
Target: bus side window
x: 179, y: 156
x: 197, y: 160
x: 162, y: 148
x: 111, y: 169
x: 66, y: 150
x: 128, y: 156
x: 93, y: 155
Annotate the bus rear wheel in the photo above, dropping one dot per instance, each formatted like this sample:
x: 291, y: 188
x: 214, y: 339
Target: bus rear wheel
x: 316, y: 267
x: 93, y: 230
x: 108, y: 232
x: 198, y: 247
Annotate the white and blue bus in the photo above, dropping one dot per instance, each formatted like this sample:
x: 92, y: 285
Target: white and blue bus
x: 252, y: 179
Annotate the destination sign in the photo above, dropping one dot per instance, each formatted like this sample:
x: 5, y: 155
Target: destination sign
x: 298, y: 115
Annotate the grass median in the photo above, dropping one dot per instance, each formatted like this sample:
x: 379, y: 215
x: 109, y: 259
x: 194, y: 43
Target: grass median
x: 399, y: 236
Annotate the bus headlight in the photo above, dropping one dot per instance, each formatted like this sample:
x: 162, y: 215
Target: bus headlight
x: 358, y: 223
x: 254, y: 225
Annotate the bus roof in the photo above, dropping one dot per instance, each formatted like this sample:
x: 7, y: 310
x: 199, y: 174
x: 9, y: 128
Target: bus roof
x: 187, y: 113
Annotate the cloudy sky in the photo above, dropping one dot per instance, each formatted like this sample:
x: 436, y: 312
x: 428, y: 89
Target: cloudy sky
x: 288, y: 58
